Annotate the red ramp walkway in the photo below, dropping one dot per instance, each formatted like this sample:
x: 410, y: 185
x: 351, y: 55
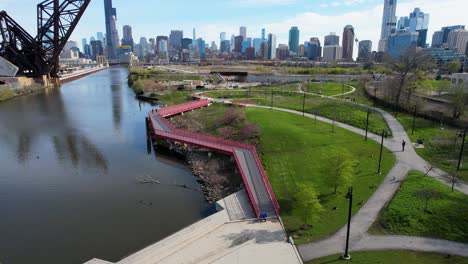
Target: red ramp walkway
x: 256, y: 183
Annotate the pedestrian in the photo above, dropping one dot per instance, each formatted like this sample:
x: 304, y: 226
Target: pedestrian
x: 403, y: 144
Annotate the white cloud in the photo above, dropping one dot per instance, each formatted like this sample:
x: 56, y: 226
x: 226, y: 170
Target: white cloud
x: 261, y: 2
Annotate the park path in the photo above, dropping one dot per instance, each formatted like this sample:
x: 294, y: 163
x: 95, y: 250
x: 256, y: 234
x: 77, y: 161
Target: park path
x: 406, y: 161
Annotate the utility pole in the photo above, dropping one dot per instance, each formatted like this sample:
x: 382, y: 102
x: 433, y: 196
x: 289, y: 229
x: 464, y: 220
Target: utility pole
x: 414, y: 120
x: 384, y: 133
x: 461, y: 149
x: 349, y: 196
x: 367, y: 122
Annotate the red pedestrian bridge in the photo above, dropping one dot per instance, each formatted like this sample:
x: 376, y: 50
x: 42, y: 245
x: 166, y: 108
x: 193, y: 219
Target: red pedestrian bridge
x: 256, y: 183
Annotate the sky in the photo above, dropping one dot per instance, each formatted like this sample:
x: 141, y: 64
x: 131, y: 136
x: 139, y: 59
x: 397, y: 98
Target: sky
x: 315, y: 18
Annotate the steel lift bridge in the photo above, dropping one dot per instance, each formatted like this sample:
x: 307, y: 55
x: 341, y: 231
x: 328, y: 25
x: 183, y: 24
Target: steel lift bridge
x: 39, y: 56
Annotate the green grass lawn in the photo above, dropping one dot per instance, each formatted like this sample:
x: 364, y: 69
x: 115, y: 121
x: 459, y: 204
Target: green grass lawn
x: 293, y: 150
x: 327, y: 88
x: 436, y: 86
x: 177, y: 97
x: 393, y: 256
x: 341, y: 111
x: 441, y: 143
x: 446, y: 216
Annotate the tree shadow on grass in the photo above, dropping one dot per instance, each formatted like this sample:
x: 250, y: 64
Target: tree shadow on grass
x: 257, y: 236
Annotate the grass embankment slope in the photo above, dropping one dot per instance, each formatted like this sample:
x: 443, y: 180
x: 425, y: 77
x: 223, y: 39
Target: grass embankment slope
x: 6, y: 94
x: 446, y: 216
x: 338, y: 110
x: 391, y: 257
x: 293, y: 150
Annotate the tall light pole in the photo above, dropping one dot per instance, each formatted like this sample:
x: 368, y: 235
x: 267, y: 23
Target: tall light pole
x: 384, y: 133
x: 461, y: 149
x: 367, y: 122
x: 349, y: 196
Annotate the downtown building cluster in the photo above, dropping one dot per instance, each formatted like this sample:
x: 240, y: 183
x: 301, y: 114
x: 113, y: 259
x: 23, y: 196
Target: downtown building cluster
x: 397, y: 35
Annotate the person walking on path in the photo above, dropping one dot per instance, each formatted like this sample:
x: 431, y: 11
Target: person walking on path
x: 403, y: 144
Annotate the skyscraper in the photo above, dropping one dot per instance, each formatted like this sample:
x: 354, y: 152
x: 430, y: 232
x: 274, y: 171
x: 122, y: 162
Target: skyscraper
x: 314, y: 49
x: 263, y: 34
x: 127, y: 39
x: 243, y: 32
x: 115, y: 40
x: 294, y: 39
x: 365, y: 51
x: 332, y: 53
x: 348, y: 43
x: 143, y: 47
x: 331, y: 39
x: 159, y: 39
x: 110, y: 16
x: 238, y: 44
x: 389, y: 22
x: 100, y: 36
x: 84, y: 42
x: 400, y: 42
x: 403, y: 23
x: 226, y: 46
x: 175, y: 39
x: 419, y: 22
x: 222, y: 37
x: 194, y: 34
x: 437, y: 39
x: 271, y: 46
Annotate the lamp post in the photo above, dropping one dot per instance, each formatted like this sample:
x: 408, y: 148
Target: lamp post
x: 461, y: 149
x: 304, y: 99
x: 349, y: 196
x: 342, y: 90
x: 384, y: 133
x: 367, y: 122
x: 414, y: 120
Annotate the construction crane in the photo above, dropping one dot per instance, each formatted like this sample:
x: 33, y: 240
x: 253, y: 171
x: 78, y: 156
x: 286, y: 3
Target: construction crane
x: 39, y: 56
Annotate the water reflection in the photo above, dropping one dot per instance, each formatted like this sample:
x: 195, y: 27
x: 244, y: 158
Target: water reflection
x: 117, y: 99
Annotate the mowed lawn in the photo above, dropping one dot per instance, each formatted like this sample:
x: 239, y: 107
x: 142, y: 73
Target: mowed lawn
x: 294, y: 150
x: 392, y: 257
x: 327, y: 88
x: 446, y: 216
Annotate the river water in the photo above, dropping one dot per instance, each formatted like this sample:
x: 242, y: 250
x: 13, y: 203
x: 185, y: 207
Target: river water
x: 70, y: 160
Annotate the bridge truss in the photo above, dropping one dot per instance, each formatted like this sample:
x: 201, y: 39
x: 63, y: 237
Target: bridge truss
x: 38, y: 56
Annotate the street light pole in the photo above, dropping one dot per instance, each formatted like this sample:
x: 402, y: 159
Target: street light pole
x: 381, y: 151
x: 349, y: 196
x: 414, y: 120
x: 461, y: 150
x: 342, y: 90
x: 272, y: 98
x: 367, y: 122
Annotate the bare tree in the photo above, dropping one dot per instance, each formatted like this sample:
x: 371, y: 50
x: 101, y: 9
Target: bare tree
x: 427, y: 194
x: 459, y: 102
x: 412, y: 62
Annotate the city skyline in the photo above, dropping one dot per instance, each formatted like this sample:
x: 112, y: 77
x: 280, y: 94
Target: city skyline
x: 313, y: 21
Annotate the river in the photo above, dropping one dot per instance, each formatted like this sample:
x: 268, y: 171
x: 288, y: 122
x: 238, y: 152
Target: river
x: 70, y: 160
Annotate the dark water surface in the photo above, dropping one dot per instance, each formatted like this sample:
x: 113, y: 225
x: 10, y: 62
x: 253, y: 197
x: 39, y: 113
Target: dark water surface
x: 69, y: 163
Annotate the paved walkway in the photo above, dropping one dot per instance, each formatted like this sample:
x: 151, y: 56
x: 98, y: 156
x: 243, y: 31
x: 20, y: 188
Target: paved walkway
x: 360, y: 240
x: 218, y: 239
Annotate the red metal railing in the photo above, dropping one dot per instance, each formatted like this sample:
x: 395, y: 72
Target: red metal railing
x: 211, y: 142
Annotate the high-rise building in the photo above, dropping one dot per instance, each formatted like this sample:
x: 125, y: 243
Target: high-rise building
x: 348, y: 43
x: 314, y: 49
x: 152, y: 45
x: 175, y: 39
x: 201, y: 48
x: 437, y: 39
x: 365, y: 51
x: 457, y: 40
x: 419, y: 22
x: 257, y: 44
x: 226, y: 46
x: 331, y: 39
x: 283, y: 51
x: 332, y: 53
x: 247, y: 43
x: 213, y: 47
x: 447, y: 31
x: 115, y: 40
x: 127, y: 39
x: 159, y: 39
x: 186, y: 42
x: 243, y: 32
x: 84, y: 42
x: 263, y: 34
x: 110, y: 16
x: 401, y: 42
x: 294, y: 39
x: 271, y: 46
x: 100, y: 36
x: 250, y: 53
x: 301, y: 50
x: 222, y: 37
x: 238, y: 44
x: 389, y: 22
x: 143, y: 47
x: 194, y: 34
x: 403, y: 23
x: 162, y: 45
x: 96, y: 49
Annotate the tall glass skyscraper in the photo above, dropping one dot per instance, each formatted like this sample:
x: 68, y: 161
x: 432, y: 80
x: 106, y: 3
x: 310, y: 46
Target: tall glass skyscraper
x: 294, y: 39
x: 348, y: 43
x: 389, y: 22
x: 271, y: 46
x: 110, y: 15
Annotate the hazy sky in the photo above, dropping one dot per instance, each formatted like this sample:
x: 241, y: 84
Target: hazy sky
x: 315, y: 18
